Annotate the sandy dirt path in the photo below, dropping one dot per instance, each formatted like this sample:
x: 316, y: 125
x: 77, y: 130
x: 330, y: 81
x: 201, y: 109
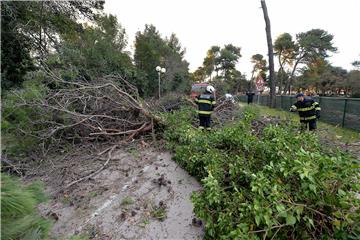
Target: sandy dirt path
x: 142, y: 194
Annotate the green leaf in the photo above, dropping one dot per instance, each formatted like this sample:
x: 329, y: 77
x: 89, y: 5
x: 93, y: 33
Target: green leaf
x: 306, y: 172
x: 341, y: 192
x: 311, y: 222
x: 312, y: 188
x: 257, y: 220
x: 267, y: 220
x: 280, y: 207
x: 290, y: 219
x: 299, y: 210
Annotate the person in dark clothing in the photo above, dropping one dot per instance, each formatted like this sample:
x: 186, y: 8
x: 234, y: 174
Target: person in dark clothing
x: 206, y: 103
x: 309, y: 111
x: 250, y: 96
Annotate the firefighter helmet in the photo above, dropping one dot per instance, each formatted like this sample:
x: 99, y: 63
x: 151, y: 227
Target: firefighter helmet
x: 210, y: 89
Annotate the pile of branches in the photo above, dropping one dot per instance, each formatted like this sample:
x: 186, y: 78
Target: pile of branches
x: 72, y: 116
x: 258, y: 125
x: 169, y: 103
x: 107, y: 108
x: 226, y: 111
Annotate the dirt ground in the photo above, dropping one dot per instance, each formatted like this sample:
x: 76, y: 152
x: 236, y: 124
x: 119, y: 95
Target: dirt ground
x: 141, y: 194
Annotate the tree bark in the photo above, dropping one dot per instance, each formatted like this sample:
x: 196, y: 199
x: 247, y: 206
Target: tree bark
x: 292, y: 76
x: 251, y: 80
x: 271, y: 55
x: 281, y: 73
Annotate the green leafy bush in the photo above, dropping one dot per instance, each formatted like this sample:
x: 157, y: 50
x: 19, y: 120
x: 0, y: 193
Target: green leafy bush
x: 280, y: 184
x: 19, y: 217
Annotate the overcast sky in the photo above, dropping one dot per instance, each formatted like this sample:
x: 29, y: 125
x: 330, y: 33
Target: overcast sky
x: 199, y: 24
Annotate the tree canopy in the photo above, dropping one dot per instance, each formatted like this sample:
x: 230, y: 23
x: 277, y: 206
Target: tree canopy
x: 79, y: 41
x: 31, y: 29
x: 152, y: 50
x: 307, y: 49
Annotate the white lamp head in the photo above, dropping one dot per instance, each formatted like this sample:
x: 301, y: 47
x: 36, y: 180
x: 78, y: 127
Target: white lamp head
x: 158, y: 68
x: 163, y: 70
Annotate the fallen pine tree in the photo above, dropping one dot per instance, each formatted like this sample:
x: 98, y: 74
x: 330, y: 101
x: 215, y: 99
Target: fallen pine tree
x: 52, y: 120
x: 49, y: 113
x: 264, y: 180
x: 52, y: 114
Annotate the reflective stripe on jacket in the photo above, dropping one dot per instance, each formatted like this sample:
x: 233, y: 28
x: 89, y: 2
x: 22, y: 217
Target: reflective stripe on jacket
x: 307, y: 118
x: 206, y: 103
x: 308, y: 109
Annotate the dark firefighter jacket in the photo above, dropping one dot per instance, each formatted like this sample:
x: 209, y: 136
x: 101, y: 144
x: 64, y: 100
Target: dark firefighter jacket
x: 206, y: 103
x: 308, y: 109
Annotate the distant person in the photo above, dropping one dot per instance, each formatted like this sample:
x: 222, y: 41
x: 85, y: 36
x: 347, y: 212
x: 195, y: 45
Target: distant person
x: 250, y: 97
x: 206, y: 103
x: 309, y: 111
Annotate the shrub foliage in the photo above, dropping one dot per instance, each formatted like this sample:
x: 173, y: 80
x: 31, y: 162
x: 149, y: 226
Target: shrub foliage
x: 280, y: 184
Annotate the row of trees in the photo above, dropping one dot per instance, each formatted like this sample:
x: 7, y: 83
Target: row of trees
x: 325, y: 79
x: 150, y: 51
x: 219, y: 68
x: 303, y: 65
x: 30, y: 29
x: 50, y: 33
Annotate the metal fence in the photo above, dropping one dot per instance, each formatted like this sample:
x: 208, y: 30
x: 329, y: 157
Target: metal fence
x: 344, y: 112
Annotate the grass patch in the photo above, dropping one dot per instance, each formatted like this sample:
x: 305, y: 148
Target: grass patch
x: 329, y: 131
x: 93, y: 194
x: 134, y: 152
x: 127, y: 201
x: 144, y: 223
x: 159, y: 213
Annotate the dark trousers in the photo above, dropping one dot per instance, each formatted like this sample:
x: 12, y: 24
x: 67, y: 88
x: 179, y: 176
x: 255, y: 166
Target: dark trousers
x: 310, y: 123
x: 250, y: 100
x: 204, y: 121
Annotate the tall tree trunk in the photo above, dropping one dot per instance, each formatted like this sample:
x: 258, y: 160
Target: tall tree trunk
x: 271, y: 55
x: 280, y: 79
x: 281, y: 74
x: 251, y: 80
x: 292, y: 76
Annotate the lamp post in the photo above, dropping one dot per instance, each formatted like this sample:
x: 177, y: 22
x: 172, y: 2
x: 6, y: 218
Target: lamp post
x: 160, y: 70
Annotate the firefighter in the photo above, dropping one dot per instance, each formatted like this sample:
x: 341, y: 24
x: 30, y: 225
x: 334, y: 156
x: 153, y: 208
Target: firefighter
x: 309, y: 111
x: 206, y: 103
